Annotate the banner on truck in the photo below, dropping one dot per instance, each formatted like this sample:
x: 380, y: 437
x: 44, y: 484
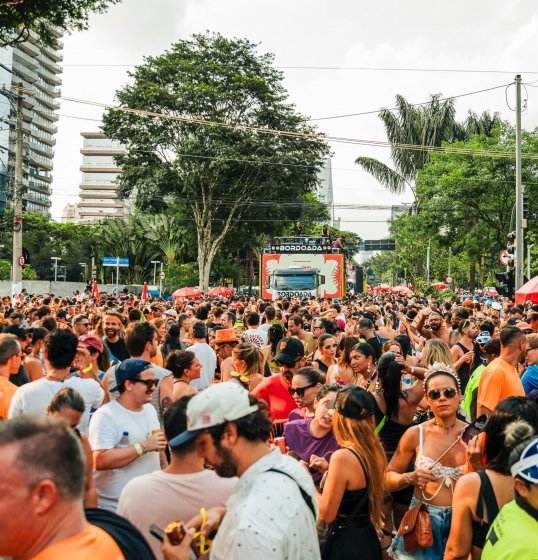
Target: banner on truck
x: 302, y: 275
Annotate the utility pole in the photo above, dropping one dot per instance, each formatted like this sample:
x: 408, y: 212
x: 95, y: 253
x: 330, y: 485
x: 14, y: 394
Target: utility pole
x: 520, y: 231
x: 16, y: 267
x: 450, y: 260
x: 160, y: 282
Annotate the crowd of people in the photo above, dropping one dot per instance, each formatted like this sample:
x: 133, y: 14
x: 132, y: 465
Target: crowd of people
x: 373, y: 427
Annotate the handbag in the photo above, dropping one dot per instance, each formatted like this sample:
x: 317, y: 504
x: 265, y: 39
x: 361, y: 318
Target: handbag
x: 416, y: 528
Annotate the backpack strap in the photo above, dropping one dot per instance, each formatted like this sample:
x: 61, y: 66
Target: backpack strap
x: 306, y: 496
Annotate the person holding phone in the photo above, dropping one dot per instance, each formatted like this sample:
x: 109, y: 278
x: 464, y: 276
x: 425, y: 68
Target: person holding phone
x: 439, y: 458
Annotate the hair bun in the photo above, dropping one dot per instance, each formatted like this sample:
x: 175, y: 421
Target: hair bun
x: 517, y: 432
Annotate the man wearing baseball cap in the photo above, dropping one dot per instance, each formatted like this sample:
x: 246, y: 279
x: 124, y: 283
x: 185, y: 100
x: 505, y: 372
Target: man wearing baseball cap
x: 272, y: 514
x: 274, y: 390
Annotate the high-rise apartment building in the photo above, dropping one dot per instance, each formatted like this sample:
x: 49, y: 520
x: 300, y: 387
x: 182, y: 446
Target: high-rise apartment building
x: 98, y: 196
x: 34, y: 68
x: 325, y: 188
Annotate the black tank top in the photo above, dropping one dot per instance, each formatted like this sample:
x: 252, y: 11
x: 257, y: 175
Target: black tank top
x: 465, y: 371
x: 486, y: 508
x: 391, y: 432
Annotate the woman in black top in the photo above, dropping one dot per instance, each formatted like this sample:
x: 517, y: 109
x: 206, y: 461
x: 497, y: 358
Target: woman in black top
x: 479, y: 496
x: 327, y: 349
x: 353, y: 491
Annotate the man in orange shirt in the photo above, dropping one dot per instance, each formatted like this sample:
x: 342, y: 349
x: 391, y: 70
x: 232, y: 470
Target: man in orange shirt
x: 10, y: 362
x: 501, y: 379
x: 42, y: 488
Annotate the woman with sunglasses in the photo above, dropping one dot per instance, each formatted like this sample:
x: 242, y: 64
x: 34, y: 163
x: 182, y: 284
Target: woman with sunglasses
x: 514, y: 533
x: 361, y: 358
x: 439, y: 457
x: 185, y: 367
x: 248, y: 362
x: 327, y: 349
x: 304, y: 386
x: 341, y: 372
x: 311, y: 439
x: 479, y: 495
x: 353, y: 491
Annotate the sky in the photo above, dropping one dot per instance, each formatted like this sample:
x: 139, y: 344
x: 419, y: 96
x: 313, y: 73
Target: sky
x: 356, y: 56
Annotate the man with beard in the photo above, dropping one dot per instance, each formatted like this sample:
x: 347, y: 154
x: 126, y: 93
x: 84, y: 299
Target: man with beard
x: 436, y: 327
x: 141, y: 341
x: 272, y: 514
x: 112, y: 326
x: 466, y: 352
x: 125, y: 433
x: 501, y: 379
x: 274, y: 390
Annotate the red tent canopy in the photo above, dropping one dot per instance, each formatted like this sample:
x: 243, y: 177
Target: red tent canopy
x: 383, y: 288
x: 528, y: 292
x: 402, y: 290
x: 223, y: 291
x: 439, y: 285
x: 187, y: 292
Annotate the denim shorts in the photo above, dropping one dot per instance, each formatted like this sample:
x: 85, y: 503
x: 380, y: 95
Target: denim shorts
x: 440, y: 518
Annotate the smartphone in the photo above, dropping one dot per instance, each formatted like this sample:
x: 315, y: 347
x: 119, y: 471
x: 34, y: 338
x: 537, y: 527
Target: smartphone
x: 474, y: 429
x: 157, y: 532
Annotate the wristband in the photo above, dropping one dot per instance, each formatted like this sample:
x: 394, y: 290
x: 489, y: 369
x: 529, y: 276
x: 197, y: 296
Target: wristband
x: 87, y: 369
x: 139, y: 450
x: 412, y: 370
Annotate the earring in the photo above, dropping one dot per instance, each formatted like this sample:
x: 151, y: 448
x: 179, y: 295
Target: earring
x: 369, y: 369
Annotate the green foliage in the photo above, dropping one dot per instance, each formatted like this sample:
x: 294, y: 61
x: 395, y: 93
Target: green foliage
x: 28, y: 273
x: 5, y: 269
x: 180, y: 275
x: 223, y: 181
x: 465, y: 202
x: 19, y: 17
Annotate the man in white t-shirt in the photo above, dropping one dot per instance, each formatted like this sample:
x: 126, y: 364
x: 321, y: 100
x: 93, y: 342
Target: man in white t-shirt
x: 59, y: 354
x: 254, y: 334
x: 178, y: 491
x: 205, y: 354
x: 125, y: 434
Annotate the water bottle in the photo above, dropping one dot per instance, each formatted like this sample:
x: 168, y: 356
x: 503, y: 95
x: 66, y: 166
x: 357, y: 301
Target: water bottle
x: 124, y: 441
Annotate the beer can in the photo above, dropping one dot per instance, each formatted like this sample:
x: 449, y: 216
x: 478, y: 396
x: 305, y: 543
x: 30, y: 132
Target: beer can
x: 281, y: 443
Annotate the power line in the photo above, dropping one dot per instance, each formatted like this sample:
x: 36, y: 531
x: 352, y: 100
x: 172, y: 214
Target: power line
x: 306, y: 136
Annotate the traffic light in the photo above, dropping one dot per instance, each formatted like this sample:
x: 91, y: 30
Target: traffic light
x: 525, y: 205
x: 507, y: 281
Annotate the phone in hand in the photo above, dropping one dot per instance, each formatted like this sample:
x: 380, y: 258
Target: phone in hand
x: 157, y: 532
x: 474, y: 429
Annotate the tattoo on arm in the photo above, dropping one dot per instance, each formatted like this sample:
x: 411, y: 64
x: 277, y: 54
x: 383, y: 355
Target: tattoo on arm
x: 166, y: 403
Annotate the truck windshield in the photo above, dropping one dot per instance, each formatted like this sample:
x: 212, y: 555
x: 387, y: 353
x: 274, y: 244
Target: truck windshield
x: 295, y: 281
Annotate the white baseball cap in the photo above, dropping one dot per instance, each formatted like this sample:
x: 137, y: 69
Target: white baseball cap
x: 171, y: 312
x: 218, y: 404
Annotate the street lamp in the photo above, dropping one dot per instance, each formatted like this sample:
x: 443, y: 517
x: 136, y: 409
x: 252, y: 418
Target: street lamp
x: 55, y: 259
x: 155, y: 263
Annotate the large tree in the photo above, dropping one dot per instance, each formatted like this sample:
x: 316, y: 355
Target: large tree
x: 19, y: 17
x: 229, y: 148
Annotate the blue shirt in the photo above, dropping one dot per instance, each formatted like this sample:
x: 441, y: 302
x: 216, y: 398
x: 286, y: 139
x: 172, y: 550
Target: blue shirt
x: 530, y: 378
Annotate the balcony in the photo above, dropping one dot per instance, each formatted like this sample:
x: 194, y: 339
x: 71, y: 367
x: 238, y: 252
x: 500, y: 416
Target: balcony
x: 21, y: 70
x: 29, y: 48
x: 46, y: 125
x: 41, y: 161
x: 45, y: 150
x: 54, y: 68
x: 50, y: 76
x: 41, y: 176
x: 45, y: 189
x: 42, y: 136
x: 47, y: 100
x: 55, y: 55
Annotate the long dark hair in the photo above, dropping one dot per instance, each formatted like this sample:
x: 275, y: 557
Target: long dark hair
x: 390, y: 377
x: 275, y: 334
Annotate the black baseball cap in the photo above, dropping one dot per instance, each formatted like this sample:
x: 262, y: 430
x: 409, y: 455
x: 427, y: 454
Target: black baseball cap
x: 130, y: 369
x: 289, y: 350
x: 19, y: 332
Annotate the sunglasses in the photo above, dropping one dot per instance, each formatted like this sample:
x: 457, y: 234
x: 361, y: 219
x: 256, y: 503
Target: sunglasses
x: 300, y: 391
x: 448, y: 392
x: 149, y: 383
x: 84, y: 324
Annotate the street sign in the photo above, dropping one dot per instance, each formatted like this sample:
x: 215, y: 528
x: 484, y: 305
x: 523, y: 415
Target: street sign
x: 163, y: 275
x: 22, y: 260
x: 448, y: 279
x: 113, y: 261
x: 377, y: 245
x: 505, y: 257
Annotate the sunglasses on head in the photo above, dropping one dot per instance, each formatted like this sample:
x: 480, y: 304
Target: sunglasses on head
x: 149, y: 383
x: 300, y: 390
x: 448, y: 392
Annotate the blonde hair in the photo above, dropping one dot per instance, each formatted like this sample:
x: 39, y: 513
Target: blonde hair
x: 436, y: 350
x: 252, y: 357
x: 360, y: 436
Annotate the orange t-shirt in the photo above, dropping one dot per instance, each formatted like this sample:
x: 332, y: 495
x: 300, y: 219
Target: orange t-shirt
x: 7, y: 390
x: 93, y: 543
x: 158, y: 358
x: 498, y: 381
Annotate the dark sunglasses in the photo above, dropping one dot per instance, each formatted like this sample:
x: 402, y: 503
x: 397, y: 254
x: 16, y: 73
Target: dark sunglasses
x: 300, y: 390
x: 448, y: 392
x: 149, y: 383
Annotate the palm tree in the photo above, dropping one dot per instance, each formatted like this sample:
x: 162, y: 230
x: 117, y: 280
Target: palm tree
x: 423, y: 125
x: 166, y: 232
x: 483, y: 124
